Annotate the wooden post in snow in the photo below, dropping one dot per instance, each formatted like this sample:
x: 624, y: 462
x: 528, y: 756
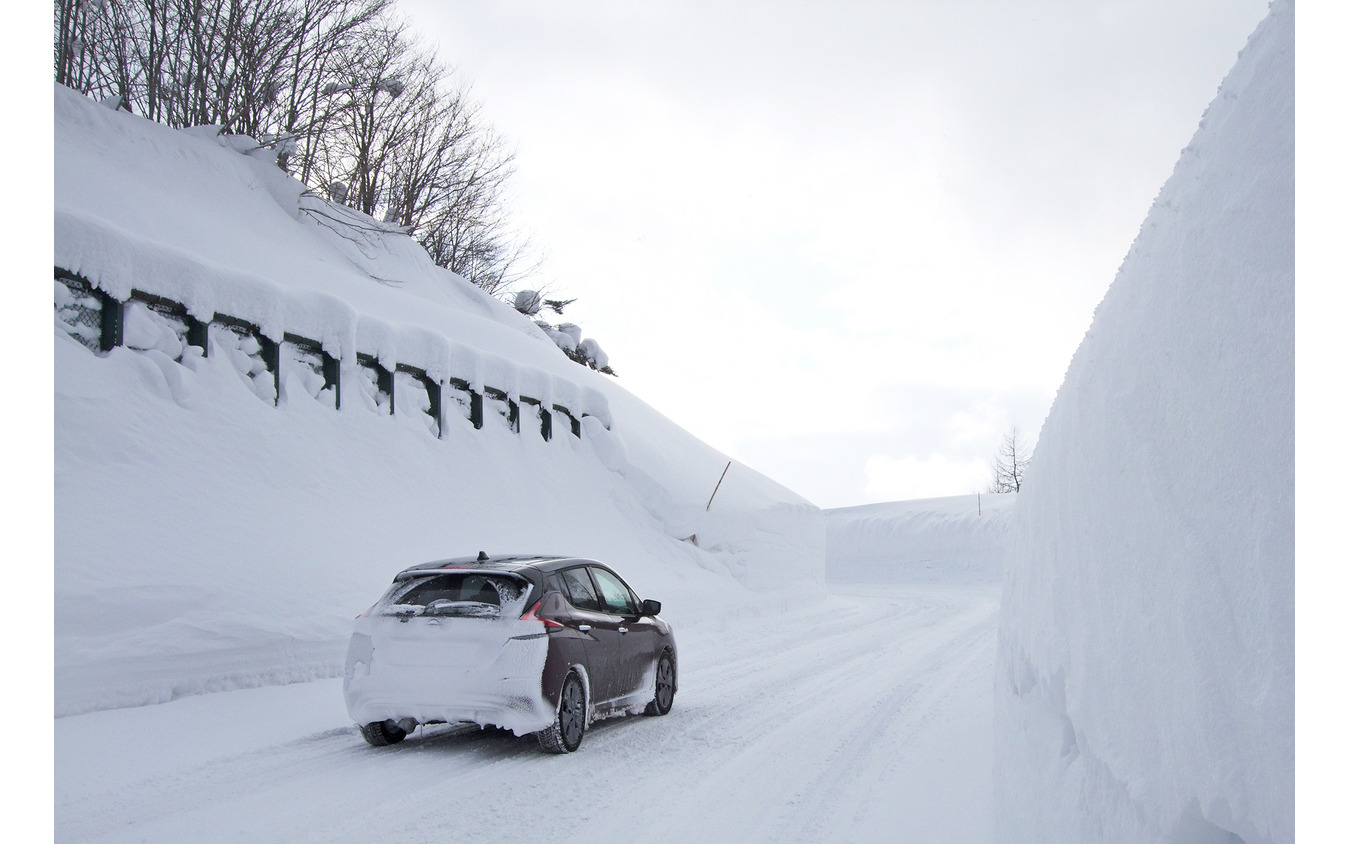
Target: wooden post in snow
x: 716, y: 488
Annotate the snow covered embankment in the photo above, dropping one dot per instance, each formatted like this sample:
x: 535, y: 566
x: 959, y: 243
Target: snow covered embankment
x: 960, y: 538
x: 1146, y: 658
x: 214, y: 531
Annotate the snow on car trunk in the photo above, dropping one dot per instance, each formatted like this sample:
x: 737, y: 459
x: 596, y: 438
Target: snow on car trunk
x: 449, y: 659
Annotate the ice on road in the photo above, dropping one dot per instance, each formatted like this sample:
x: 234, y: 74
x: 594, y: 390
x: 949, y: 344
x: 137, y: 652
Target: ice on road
x: 861, y: 716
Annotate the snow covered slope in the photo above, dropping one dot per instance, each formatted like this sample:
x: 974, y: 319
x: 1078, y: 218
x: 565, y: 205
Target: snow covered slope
x: 960, y: 538
x: 1146, y: 658
x: 213, y: 531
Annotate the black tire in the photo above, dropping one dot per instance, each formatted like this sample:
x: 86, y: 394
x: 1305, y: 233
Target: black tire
x: 569, y: 725
x: 665, y: 686
x: 382, y: 733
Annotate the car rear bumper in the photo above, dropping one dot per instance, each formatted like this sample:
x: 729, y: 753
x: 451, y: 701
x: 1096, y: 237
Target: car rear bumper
x: 385, y: 680
x: 522, y: 713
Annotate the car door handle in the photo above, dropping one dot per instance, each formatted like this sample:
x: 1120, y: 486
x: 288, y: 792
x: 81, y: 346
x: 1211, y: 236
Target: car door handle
x: 623, y: 629
x: 584, y: 628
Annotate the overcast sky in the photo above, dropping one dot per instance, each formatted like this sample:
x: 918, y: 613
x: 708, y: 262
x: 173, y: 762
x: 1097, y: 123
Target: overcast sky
x: 848, y: 243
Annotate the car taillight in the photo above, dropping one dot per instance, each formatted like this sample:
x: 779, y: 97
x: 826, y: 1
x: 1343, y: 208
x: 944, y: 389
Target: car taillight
x: 367, y: 612
x: 532, y: 614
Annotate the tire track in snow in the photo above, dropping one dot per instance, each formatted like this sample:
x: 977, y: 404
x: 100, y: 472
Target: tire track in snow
x: 781, y: 724
x: 867, y: 758
x: 825, y: 647
x: 833, y: 703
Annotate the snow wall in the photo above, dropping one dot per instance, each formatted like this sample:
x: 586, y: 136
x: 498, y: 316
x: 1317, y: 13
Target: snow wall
x: 212, y: 531
x: 1146, y: 642
x: 959, y: 538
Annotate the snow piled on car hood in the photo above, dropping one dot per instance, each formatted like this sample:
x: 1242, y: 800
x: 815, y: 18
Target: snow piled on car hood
x: 206, y: 539
x: 1146, y: 649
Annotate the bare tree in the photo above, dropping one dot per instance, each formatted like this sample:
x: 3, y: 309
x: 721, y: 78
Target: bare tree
x: 404, y: 144
x: 1010, y: 465
x: 352, y: 105
x: 252, y: 66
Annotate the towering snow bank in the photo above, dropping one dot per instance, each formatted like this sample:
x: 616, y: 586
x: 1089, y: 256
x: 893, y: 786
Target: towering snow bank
x: 207, y: 539
x: 1146, y: 642
x: 959, y: 538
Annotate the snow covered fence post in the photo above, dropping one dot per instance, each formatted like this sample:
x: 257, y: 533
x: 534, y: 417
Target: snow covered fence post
x: 197, y: 336
x: 599, y: 419
x: 310, y: 355
x: 545, y: 418
x: 573, y: 422
x: 242, y: 336
x: 267, y: 349
x: 112, y: 320
x: 436, y: 395
x: 512, y: 414
x: 332, y: 377
x: 384, y: 379
x: 188, y: 328
x: 433, y: 389
x: 475, y: 401
x: 271, y: 355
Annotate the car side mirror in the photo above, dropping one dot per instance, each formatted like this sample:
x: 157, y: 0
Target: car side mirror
x: 650, y: 607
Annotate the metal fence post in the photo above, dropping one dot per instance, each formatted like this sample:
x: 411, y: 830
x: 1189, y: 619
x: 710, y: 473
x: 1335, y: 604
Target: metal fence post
x: 545, y: 418
x: 332, y: 377
x: 113, y: 318
x: 271, y: 355
x: 434, y: 391
x: 196, y: 335
x: 575, y: 423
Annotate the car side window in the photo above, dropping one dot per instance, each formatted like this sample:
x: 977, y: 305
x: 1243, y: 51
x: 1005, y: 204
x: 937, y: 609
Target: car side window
x: 577, y: 587
x: 615, y: 593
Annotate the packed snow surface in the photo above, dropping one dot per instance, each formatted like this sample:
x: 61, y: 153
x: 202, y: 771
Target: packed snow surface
x: 961, y: 537
x: 1146, y: 661
x: 858, y: 715
x: 218, y: 526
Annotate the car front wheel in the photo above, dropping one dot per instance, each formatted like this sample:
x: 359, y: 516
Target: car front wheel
x: 381, y: 733
x: 665, y: 686
x: 570, y: 723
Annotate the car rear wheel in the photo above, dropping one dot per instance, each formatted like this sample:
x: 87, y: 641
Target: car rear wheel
x: 665, y: 686
x: 570, y: 723
x: 381, y: 733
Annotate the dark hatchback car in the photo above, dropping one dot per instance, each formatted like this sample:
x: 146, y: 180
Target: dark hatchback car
x: 532, y: 644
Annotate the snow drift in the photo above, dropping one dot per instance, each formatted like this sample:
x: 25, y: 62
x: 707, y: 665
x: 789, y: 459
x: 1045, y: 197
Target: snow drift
x: 219, y: 527
x: 1146, y: 656
x: 960, y: 538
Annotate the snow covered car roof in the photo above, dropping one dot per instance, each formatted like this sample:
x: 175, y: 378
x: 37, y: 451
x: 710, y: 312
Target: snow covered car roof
x: 504, y: 563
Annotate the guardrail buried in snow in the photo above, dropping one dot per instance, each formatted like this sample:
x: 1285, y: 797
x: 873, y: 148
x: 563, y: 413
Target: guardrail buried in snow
x: 145, y: 321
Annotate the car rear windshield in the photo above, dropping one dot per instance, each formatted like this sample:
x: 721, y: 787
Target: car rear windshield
x: 470, y: 594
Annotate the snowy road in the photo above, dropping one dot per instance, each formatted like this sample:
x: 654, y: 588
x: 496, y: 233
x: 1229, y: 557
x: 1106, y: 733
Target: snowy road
x: 866, y: 718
